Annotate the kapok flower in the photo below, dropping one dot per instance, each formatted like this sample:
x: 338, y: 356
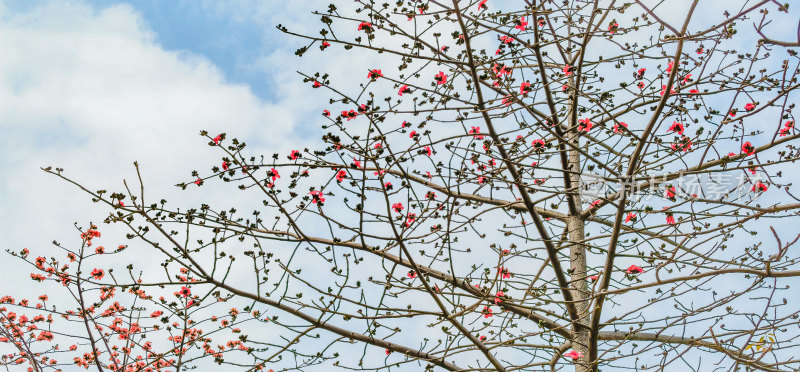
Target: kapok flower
x: 341, y: 175
x: 482, y: 5
x: 750, y: 106
x: 676, y: 127
x: 185, y: 292
x: 440, y: 78
x: 759, y: 186
x: 694, y: 91
x: 630, y: 217
x: 613, y: 26
x: 366, y: 27
x: 294, y: 155
x: 585, y: 125
x: 198, y: 181
x: 664, y: 89
x: 633, y: 269
x: 503, y: 272
x: 217, y: 139
x: 316, y: 84
x: 404, y: 89
x: 487, y: 312
x: 156, y: 314
x: 669, y: 66
x: 670, y: 219
x: 521, y: 24
x: 349, y: 115
x: 538, y: 145
x: 224, y: 165
x: 410, y: 219
x: 273, y: 173
x: 397, y: 207
x: 374, y: 74
x: 567, y: 70
x: 618, y: 126
x: 326, y: 113
x: 411, y: 274
x: 525, y: 88
x: 498, y: 297
x: 476, y: 131
x: 684, y: 144
x: 574, y: 355
x: 316, y: 197
x: 670, y: 193
x: 748, y: 148
x: 324, y: 45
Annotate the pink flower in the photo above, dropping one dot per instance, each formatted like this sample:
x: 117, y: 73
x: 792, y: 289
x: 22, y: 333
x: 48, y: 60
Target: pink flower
x: 273, y: 173
x: 574, y: 355
x: 538, y: 145
x: 410, y: 219
x: 294, y: 155
x: 669, y: 66
x: 595, y: 203
x: 633, y: 269
x: 749, y: 107
x: 594, y: 277
x: 440, y: 78
x: 397, y: 207
x: 498, y: 297
x: 567, y: 70
x: 487, y: 312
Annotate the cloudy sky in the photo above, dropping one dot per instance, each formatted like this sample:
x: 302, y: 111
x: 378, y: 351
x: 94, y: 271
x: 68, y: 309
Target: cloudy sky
x: 91, y: 86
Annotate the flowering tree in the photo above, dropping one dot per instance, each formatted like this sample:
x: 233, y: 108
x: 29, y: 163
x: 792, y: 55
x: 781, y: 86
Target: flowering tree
x: 567, y: 185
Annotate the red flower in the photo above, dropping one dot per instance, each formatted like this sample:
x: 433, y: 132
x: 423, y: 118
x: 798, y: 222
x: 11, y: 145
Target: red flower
x: 503, y: 272
x: 374, y: 74
x: 273, y: 173
x: 487, y: 312
x: 482, y: 338
x: 316, y: 84
x: 410, y: 219
x: 498, y: 297
x: 366, y: 27
x: 567, y: 70
x: 633, y: 269
x: 413, y: 135
x: 224, y: 165
x: 585, y: 125
x: 760, y: 186
x: 538, y: 145
x: 574, y: 355
x: 198, y: 181
x: 594, y: 277
x: 412, y: 274
x: 664, y: 89
x: 349, y: 114
x: 748, y: 148
x: 482, y: 5
x: 217, y: 139
x: 630, y: 217
x: 613, y: 26
x: 694, y: 91
x: 440, y: 78
x: 428, y: 150
x: 522, y: 24
x: 685, y: 144
x: 397, y: 207
x: 476, y: 131
x: 525, y: 88
x: 506, y: 39
x: 670, y: 219
x: 617, y: 127
x: 640, y: 85
x: 156, y: 314
x: 404, y: 89
x: 749, y: 107
x: 670, y: 193
x: 294, y: 155
x: 341, y: 175
x: 676, y: 127
x: 326, y: 113
x: 185, y: 292
x: 325, y: 44
x: 388, y: 351
x: 316, y: 197
x: 669, y: 66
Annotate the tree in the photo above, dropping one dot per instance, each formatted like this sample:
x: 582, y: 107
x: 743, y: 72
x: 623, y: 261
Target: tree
x: 565, y: 185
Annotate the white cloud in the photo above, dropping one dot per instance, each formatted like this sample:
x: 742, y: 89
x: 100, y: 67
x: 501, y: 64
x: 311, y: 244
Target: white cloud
x: 91, y: 91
